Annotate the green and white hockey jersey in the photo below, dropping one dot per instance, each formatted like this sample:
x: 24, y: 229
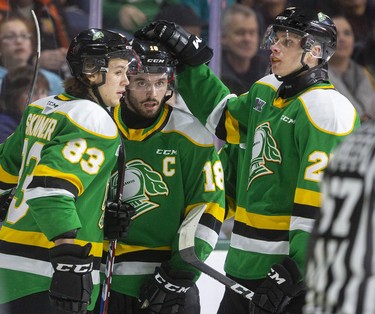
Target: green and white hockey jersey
x: 288, y: 145
x: 62, y: 155
x: 171, y: 168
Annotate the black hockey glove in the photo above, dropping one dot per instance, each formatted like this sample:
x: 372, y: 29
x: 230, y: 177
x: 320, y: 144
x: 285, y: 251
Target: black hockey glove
x: 71, y: 284
x: 187, y: 48
x: 117, y: 220
x: 274, y: 294
x: 165, y: 292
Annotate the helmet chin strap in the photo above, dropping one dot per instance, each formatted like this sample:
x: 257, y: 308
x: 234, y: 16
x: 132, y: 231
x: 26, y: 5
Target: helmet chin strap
x: 95, y: 90
x: 294, y: 74
x: 166, y: 97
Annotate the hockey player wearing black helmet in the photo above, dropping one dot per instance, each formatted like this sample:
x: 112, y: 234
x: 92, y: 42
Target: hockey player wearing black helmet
x: 289, y: 124
x: 172, y: 169
x: 60, y: 159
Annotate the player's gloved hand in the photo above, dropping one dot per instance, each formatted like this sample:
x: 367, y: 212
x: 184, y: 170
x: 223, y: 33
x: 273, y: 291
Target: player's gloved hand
x: 165, y: 292
x: 117, y: 218
x: 71, y: 285
x: 282, y: 284
x: 187, y: 48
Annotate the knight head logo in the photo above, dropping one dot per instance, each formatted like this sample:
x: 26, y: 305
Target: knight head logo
x: 141, y: 181
x: 264, y: 150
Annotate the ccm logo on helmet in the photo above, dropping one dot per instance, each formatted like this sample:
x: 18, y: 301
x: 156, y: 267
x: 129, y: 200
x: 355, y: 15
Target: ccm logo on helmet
x: 155, y: 60
x: 167, y: 285
x: 80, y: 269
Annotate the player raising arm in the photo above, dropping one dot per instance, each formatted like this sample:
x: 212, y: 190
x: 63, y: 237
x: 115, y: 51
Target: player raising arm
x: 289, y: 124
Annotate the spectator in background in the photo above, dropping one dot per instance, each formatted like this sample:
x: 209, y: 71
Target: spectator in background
x: 53, y: 29
x: 15, y: 88
x: 4, y: 8
x: 184, y: 16
x: 241, y: 62
x: 17, y: 48
x: 268, y: 10
x: 127, y: 16
x: 202, y: 9
x: 367, y: 57
x: 76, y: 13
x: 348, y: 76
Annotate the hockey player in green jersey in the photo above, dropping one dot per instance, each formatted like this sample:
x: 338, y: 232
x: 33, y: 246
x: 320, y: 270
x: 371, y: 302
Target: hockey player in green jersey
x: 172, y: 169
x: 60, y: 158
x: 289, y: 123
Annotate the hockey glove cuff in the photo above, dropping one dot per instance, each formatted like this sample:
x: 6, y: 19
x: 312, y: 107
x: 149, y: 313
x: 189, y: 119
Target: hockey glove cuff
x: 165, y: 291
x: 282, y: 284
x: 71, y: 285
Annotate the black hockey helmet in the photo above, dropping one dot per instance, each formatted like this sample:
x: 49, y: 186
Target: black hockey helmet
x: 314, y: 28
x: 155, y: 58
x: 90, y: 51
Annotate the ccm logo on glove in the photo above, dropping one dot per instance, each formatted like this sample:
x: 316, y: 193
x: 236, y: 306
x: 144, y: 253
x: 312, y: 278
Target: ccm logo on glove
x: 273, y: 274
x: 79, y: 269
x: 167, y: 285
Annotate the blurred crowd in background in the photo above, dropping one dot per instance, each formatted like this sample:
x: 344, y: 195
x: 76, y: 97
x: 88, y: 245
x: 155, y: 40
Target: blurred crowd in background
x: 241, y: 25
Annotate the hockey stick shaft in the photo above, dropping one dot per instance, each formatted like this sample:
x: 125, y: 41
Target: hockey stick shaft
x: 112, y: 244
x: 108, y: 277
x: 38, y: 52
x: 187, y: 253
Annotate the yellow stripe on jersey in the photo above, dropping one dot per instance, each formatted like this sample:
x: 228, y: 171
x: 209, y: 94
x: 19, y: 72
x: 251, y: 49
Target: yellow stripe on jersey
x: 138, y: 134
x: 307, y: 197
x: 6, y: 177
x: 262, y: 221
x: 122, y: 248
x: 39, y: 239
x: 211, y: 208
x: 42, y: 171
x: 232, y: 128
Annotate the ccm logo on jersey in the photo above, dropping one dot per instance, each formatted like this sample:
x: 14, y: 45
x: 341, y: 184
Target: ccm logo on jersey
x: 79, y: 269
x: 274, y: 275
x: 171, y: 287
x: 287, y: 119
x: 167, y: 152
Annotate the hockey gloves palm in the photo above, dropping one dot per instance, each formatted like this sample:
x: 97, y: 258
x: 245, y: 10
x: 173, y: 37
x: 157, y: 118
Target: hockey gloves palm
x: 274, y: 294
x: 187, y: 48
x: 165, y: 292
x: 71, y: 284
x: 117, y: 220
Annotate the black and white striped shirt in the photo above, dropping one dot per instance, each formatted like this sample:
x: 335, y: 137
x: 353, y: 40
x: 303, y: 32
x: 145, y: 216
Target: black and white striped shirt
x: 341, y: 263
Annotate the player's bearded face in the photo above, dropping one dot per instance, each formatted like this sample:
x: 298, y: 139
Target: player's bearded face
x: 145, y: 93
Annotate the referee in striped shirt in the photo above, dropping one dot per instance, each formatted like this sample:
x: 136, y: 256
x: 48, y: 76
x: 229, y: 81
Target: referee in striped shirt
x: 341, y: 262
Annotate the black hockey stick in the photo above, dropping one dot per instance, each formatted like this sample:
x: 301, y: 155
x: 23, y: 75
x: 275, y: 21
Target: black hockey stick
x: 113, y: 243
x: 187, y: 253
